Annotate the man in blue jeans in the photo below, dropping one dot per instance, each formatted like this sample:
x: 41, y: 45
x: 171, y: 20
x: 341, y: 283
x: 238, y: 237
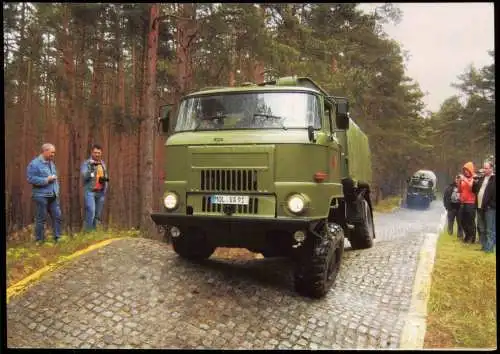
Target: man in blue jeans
x: 95, y: 181
x: 485, y: 190
x: 42, y: 175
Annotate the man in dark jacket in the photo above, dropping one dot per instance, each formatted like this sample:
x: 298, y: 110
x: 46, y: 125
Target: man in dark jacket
x: 485, y: 190
x: 451, y: 200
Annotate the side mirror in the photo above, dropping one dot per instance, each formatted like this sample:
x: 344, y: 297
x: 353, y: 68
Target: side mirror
x: 408, y: 180
x: 164, y: 118
x: 342, y: 114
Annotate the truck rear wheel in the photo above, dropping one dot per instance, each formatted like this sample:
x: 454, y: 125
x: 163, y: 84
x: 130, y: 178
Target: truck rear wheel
x: 319, y: 263
x: 363, y: 234
x: 192, y: 246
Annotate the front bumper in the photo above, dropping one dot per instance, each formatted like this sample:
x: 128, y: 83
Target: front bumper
x: 418, y: 196
x: 228, y: 224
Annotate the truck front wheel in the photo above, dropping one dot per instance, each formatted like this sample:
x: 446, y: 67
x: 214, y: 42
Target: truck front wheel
x: 318, y: 264
x: 192, y: 246
x: 363, y: 234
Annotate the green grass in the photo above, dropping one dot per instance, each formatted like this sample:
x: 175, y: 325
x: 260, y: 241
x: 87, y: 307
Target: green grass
x: 387, y: 205
x: 25, y: 258
x: 462, y: 304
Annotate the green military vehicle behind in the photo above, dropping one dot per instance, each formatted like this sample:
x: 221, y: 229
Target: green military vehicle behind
x: 421, y: 190
x: 278, y: 168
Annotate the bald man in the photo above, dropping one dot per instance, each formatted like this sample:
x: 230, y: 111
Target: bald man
x: 42, y: 175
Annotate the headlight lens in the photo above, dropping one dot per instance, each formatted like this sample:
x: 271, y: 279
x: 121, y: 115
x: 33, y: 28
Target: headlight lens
x: 170, y: 201
x: 296, y: 204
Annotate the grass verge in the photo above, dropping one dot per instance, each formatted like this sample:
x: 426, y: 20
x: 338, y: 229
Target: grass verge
x: 26, y: 258
x: 462, y: 303
x: 387, y: 205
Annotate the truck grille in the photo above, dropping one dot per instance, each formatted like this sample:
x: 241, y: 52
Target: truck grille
x: 228, y: 180
x: 251, y: 208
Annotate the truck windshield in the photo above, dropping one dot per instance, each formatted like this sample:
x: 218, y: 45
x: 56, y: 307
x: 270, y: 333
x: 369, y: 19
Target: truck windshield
x: 249, y: 110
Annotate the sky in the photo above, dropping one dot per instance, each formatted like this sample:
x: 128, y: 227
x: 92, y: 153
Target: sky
x: 443, y: 39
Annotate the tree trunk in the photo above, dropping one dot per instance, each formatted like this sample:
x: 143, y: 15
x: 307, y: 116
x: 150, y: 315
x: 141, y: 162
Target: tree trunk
x: 17, y: 188
x: 147, y: 224
x: 129, y: 147
x: 142, y: 99
x: 258, y: 72
x: 187, y: 30
x: 118, y: 178
x: 70, y: 90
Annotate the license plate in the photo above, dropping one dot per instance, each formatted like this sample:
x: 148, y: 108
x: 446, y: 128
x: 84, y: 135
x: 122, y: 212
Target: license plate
x: 230, y: 199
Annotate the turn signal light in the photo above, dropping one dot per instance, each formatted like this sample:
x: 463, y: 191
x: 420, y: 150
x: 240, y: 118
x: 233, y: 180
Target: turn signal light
x: 320, y: 176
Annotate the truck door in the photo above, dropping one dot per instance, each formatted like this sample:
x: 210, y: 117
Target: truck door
x: 334, y: 147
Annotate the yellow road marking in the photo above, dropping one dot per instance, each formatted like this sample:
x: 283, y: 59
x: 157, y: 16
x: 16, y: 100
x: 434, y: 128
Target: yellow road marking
x: 22, y: 285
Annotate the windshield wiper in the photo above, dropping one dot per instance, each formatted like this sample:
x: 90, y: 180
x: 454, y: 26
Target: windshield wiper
x: 221, y: 116
x: 270, y: 116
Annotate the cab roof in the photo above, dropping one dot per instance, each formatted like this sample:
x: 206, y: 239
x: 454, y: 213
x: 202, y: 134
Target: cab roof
x: 287, y: 83
x: 222, y: 90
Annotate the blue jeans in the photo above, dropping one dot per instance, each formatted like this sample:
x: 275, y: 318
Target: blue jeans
x: 44, y: 205
x: 491, y: 236
x: 481, y: 227
x: 94, y: 203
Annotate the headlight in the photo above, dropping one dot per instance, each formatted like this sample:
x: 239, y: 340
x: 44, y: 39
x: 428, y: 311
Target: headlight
x: 296, y: 204
x: 170, y: 201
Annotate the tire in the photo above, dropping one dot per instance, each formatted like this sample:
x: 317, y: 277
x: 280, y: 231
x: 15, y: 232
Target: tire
x: 192, y: 246
x: 319, y: 264
x: 363, y: 234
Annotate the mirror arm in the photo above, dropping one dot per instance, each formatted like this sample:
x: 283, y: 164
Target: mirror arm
x: 310, y: 133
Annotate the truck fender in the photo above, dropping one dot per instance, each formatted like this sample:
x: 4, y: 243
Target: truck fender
x: 353, y: 194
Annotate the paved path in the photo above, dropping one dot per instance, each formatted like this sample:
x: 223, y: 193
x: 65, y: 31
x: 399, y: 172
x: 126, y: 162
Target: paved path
x: 138, y: 293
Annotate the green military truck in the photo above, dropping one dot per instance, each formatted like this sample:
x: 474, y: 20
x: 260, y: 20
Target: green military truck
x: 421, y: 189
x: 278, y: 168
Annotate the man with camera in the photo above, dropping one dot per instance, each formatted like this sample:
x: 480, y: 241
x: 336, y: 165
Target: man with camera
x: 485, y: 189
x: 451, y: 201
x: 95, y: 183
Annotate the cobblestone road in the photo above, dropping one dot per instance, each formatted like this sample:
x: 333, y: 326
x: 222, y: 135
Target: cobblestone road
x: 138, y: 293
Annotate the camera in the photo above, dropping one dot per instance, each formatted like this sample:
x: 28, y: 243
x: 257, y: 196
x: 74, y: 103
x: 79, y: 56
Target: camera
x: 103, y: 179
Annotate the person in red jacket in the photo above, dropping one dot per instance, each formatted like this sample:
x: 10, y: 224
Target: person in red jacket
x: 467, y: 203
